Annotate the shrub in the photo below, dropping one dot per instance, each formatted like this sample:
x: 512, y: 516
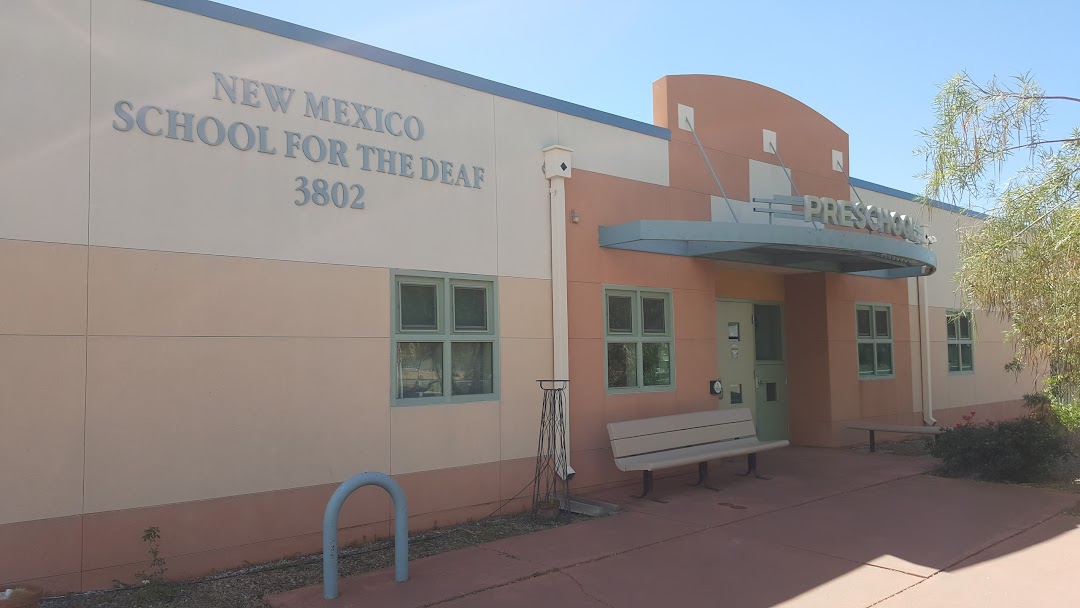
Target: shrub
x: 1021, y: 450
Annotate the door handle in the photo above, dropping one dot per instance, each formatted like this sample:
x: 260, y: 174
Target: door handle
x: 757, y: 381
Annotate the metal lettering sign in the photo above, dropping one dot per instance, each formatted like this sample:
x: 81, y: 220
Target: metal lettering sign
x: 157, y: 121
x: 857, y: 215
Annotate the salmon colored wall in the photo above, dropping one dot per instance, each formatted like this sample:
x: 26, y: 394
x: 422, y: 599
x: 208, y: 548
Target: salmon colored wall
x: 749, y: 284
x: 92, y: 551
x: 695, y: 284
x: 808, y: 364
x: 729, y: 115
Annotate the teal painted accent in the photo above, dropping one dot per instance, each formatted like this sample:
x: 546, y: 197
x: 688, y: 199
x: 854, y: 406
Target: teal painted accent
x: 300, y: 33
x: 907, y: 196
x: 330, y: 527
x: 951, y: 316
x: 872, y: 306
x: 772, y: 416
x: 444, y: 334
x: 774, y: 245
x: 638, y: 336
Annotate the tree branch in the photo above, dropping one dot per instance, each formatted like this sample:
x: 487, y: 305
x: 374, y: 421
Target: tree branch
x: 1039, y: 143
x: 1063, y: 97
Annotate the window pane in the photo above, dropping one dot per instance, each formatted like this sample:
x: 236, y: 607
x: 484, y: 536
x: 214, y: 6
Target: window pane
x: 419, y: 308
x: 881, y: 323
x: 419, y: 369
x: 470, y: 309
x: 966, y: 363
x: 866, y: 358
x: 965, y: 327
x: 884, y: 358
x: 471, y: 368
x: 656, y: 363
x: 954, y: 357
x: 950, y: 326
x: 653, y: 318
x: 768, y: 342
x: 622, y: 364
x: 620, y: 314
x: 862, y: 322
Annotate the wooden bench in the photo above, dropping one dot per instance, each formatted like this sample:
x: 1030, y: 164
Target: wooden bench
x: 875, y: 427
x: 651, y: 444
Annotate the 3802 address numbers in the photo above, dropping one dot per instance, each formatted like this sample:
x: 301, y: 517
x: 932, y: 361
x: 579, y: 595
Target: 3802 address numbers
x: 322, y: 193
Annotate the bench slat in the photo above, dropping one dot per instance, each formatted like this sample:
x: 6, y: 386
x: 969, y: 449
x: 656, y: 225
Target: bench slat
x: 657, y: 442
x: 695, y: 454
x: 677, y: 422
x: 896, y: 428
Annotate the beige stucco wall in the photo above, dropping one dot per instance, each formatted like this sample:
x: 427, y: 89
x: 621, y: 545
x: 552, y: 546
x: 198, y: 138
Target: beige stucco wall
x: 182, y: 329
x: 45, y: 50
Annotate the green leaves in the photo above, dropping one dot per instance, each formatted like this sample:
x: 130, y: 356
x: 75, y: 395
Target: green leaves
x: 1023, y: 263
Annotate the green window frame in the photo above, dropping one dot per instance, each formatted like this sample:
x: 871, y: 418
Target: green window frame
x: 445, y: 340
x: 874, y: 341
x: 639, y: 340
x: 960, y: 338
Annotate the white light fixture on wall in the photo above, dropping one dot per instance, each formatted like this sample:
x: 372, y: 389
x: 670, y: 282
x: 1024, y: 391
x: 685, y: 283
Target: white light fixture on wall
x: 575, y: 217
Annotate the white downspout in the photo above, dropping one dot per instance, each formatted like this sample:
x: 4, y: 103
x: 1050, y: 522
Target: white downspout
x: 557, y: 170
x: 924, y: 339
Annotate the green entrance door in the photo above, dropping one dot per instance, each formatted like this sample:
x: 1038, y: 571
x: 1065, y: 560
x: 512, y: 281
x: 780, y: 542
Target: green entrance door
x: 752, y: 369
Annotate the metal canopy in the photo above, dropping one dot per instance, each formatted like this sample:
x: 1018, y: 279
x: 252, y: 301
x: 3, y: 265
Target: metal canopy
x: 785, y: 246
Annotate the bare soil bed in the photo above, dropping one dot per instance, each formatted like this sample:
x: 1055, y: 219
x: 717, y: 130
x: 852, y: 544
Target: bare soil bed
x: 245, y: 587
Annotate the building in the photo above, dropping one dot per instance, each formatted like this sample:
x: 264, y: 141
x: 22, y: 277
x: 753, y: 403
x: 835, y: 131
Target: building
x: 243, y: 260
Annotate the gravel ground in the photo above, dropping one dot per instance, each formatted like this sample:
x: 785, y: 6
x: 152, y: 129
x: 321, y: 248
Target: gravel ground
x: 245, y: 588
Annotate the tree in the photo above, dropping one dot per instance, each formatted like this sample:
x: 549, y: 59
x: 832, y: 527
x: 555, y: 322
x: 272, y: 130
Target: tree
x: 1023, y: 263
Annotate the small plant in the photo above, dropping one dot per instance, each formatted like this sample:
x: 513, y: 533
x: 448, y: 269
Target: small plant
x: 155, y: 587
x: 152, y: 537
x: 1015, y: 367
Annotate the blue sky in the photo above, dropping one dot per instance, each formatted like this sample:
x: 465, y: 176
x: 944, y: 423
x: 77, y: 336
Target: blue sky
x: 871, y: 67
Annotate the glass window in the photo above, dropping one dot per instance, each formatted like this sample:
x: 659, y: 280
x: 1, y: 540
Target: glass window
x: 622, y: 365
x: 419, y: 307
x: 961, y: 341
x: 768, y: 338
x: 882, y: 323
x: 866, y: 358
x: 873, y: 334
x: 432, y: 337
x: 639, y: 340
x: 471, y: 368
x: 420, y: 367
x: 653, y: 315
x: 864, y: 323
x: 470, y: 309
x: 620, y: 311
x: 656, y: 363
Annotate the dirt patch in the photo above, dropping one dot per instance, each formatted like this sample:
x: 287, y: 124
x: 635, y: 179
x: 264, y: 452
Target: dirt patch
x: 912, y: 446
x: 245, y: 587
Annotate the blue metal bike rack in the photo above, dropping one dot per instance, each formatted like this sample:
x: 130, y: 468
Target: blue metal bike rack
x: 330, y: 528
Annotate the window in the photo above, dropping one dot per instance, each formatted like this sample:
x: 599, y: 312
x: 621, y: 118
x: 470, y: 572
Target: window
x: 768, y: 340
x: 873, y: 332
x: 639, y: 344
x: 958, y: 333
x: 445, y: 339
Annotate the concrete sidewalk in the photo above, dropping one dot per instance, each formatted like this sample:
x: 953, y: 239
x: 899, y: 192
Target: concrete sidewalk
x: 832, y: 528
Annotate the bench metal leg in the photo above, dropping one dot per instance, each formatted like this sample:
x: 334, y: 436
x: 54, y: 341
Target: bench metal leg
x: 703, y: 476
x: 647, y: 483
x: 751, y: 467
x: 873, y: 446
